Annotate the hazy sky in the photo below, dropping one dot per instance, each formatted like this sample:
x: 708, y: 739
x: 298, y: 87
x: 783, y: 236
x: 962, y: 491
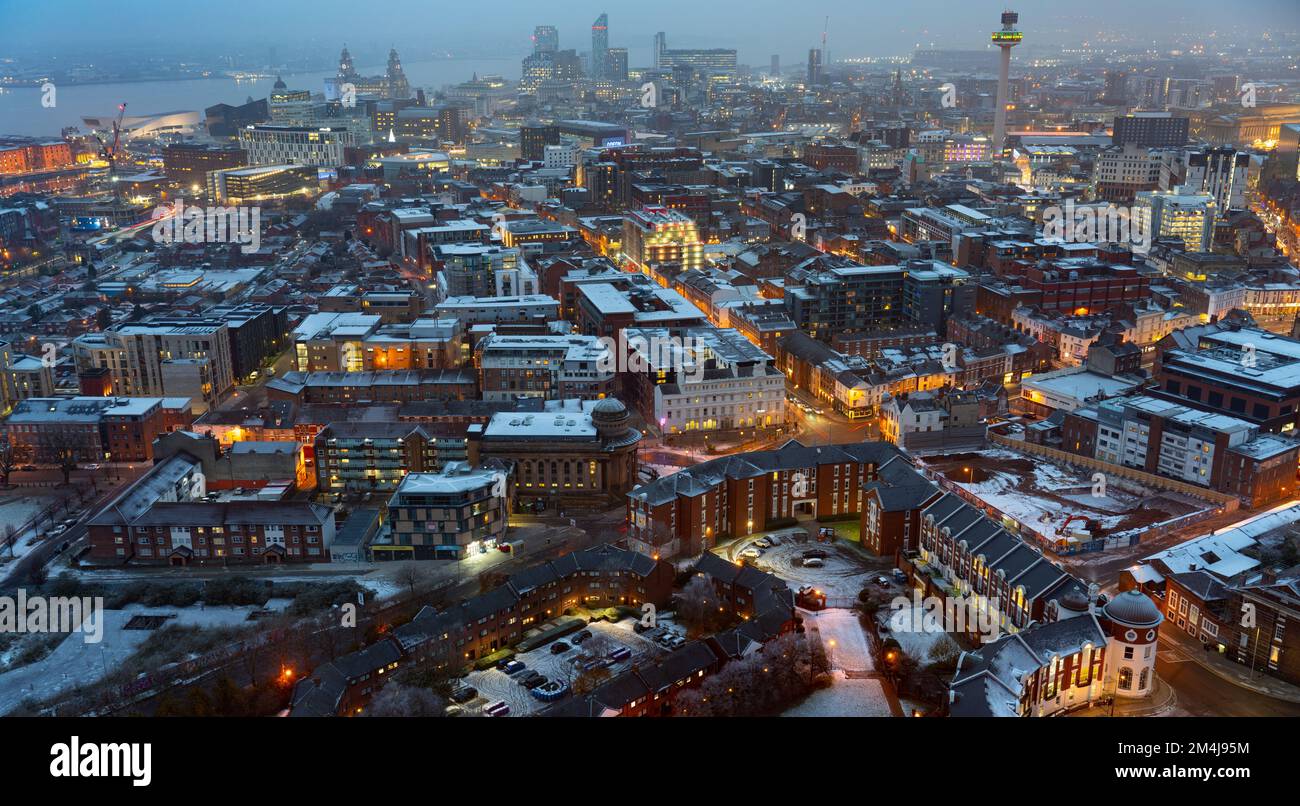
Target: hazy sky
x: 757, y: 28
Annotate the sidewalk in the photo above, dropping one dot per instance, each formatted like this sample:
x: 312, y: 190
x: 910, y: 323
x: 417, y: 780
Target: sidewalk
x: 1260, y: 682
x: 1160, y: 701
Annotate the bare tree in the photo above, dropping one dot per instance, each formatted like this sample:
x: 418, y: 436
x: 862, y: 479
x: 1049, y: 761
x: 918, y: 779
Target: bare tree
x: 411, y: 574
x: 396, y: 699
x: 12, y: 456
x: 700, y: 608
x: 64, y: 448
x: 10, y: 538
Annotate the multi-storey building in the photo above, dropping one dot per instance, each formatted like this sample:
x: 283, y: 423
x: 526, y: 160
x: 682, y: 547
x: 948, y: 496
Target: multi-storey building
x: 572, y: 451
x: 1188, y: 217
x: 550, y: 367
x: 163, y: 358
x: 388, y: 386
x: 709, y: 379
x: 450, y: 515
x: 659, y: 235
x: 1239, y: 371
x: 1207, y: 449
x: 693, y: 509
x: 360, y: 457
x: 320, y: 147
x: 94, y: 429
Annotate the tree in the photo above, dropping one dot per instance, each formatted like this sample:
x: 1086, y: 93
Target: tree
x: 412, y: 574
x: 700, y: 608
x: 9, y: 539
x: 62, y: 447
x: 396, y: 699
x: 12, y: 456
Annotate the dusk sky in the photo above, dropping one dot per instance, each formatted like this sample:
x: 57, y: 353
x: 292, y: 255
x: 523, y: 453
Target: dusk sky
x: 770, y: 26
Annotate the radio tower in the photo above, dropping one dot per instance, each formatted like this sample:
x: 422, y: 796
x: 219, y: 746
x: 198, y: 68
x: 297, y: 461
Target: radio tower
x: 1006, y: 39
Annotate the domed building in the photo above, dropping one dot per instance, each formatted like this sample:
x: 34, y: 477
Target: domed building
x: 572, y: 453
x: 1084, y: 654
x: 1132, y: 622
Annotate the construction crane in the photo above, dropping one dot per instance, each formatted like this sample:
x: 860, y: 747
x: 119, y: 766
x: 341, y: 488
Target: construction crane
x: 109, y: 152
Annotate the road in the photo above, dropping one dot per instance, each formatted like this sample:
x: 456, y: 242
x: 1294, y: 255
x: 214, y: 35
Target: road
x: 1203, y: 693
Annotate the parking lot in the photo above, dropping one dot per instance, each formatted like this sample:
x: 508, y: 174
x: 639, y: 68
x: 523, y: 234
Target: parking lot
x: 495, y: 685
x: 841, y: 572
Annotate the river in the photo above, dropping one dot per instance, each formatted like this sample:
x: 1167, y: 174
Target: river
x: 21, y: 112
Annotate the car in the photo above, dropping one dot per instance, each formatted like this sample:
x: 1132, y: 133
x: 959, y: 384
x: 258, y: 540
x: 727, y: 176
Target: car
x: 898, y: 575
x: 622, y: 653
x: 92, y: 467
x: 503, y: 663
x: 453, y: 710
x: 560, y: 647
x: 504, y: 548
x: 813, y: 562
x: 774, y: 540
x: 595, y: 663
x: 882, y: 581
x: 751, y: 553
x: 762, y: 543
x: 58, y: 530
x: 28, y: 468
x: 498, y: 708
x: 579, y: 637
x: 532, y: 679
x: 464, y: 694
x: 367, y: 497
x: 814, y: 554
x: 69, y: 522
x: 514, y: 667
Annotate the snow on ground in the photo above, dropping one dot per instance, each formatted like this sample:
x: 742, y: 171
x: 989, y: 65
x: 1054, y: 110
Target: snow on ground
x: 846, y: 647
x: 494, y: 685
x: 841, y: 633
x: 76, y: 662
x: 18, y: 510
x: 858, y: 697
x: 915, y: 630
x: 841, y: 576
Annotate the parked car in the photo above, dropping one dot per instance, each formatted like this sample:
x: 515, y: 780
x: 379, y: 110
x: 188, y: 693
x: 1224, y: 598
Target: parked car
x: 514, y: 667
x: 814, y: 562
x: 752, y: 553
x: 464, y: 694
x: 814, y: 553
x: 532, y: 679
x: 560, y: 647
x: 453, y: 710
x: 762, y: 543
x: 622, y: 653
x: 581, y: 636
x: 898, y: 575
x: 882, y: 581
x: 498, y: 708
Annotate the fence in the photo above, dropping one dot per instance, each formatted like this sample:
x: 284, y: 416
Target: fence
x: 1227, y: 501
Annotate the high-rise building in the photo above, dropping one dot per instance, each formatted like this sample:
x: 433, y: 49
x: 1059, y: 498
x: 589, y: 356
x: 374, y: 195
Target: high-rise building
x: 814, y: 67
x: 660, y: 45
x: 546, y: 39
x: 659, y: 235
x: 398, y: 86
x: 616, y: 64
x: 776, y: 64
x: 534, y: 138
x: 1150, y: 129
x: 599, y: 46
x: 1005, y: 39
x: 1186, y: 216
